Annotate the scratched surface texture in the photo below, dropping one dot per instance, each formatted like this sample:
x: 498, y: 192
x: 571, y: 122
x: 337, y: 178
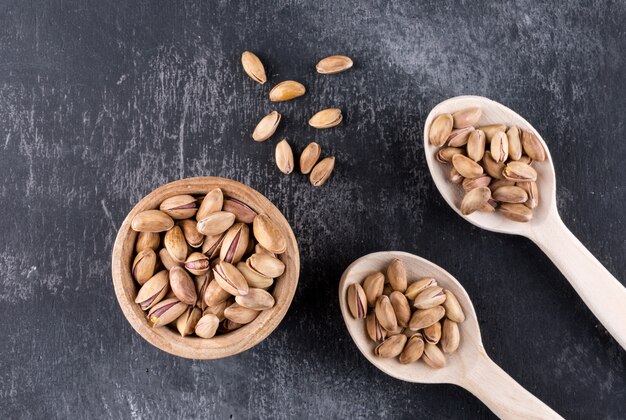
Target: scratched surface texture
x: 103, y: 101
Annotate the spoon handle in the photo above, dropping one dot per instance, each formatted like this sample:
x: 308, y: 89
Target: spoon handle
x: 599, y: 289
x: 502, y: 394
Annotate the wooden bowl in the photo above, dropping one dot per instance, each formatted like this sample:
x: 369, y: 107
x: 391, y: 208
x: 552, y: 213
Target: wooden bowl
x: 220, y: 346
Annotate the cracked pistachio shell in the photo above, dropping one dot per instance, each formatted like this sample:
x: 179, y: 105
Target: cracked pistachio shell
x: 401, y: 308
x: 375, y: 331
x: 391, y: 347
x: 357, y: 302
x: 216, y: 223
x: 433, y: 357
x: 495, y: 184
x: 385, y: 313
x: 212, y: 245
x: 450, y: 336
x: 532, y: 146
x: 491, y: 129
x: 286, y: 91
x: 417, y: 286
x: 240, y: 314
x: 481, y: 181
x: 475, y: 200
x: 230, y: 279
x: 309, y: 157
x: 190, y: 232
x: 493, y: 168
x: 257, y: 299
x: 243, y: 213
x: 214, y: 294
x: 510, y: 194
x: 284, y: 157
x: 326, y: 118
x: 165, y: 312
x: 432, y: 334
x: 423, y: 318
x: 176, y: 244
x: 453, y: 308
x: 334, y: 64
x: 186, y: 323
x: 179, y: 206
x: 235, y: 243
x: 533, y: 193
x: 147, y: 240
x: 466, y: 166
x: 455, y: 176
x: 253, y: 278
x: 153, y: 290
x: 207, y: 326
x: 183, y: 286
x: 218, y: 309
x: 440, y: 129
x: 197, y: 263
x: 266, y: 127
x: 144, y: 265
x: 151, y: 221
x: 211, y: 203
x: 516, y: 212
x: 445, y: 154
x: 266, y: 265
x: 476, y: 145
x: 373, y: 287
x: 396, y: 275
x: 429, y: 298
x: 515, y: 144
x: 500, y: 147
x: 268, y: 234
x: 202, y: 282
x: 459, y: 137
x: 466, y: 117
x: 253, y: 67
x: 322, y: 171
x: 413, y: 349
x: 519, y: 172
x: 167, y: 260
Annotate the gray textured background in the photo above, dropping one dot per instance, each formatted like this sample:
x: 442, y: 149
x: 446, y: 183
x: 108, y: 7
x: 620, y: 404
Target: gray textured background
x: 103, y: 101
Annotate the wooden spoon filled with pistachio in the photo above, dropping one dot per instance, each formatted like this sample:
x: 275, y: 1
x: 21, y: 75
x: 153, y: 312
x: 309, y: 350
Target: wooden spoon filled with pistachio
x: 413, y: 351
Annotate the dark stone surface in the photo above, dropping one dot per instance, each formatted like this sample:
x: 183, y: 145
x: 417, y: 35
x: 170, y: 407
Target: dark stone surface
x: 101, y: 102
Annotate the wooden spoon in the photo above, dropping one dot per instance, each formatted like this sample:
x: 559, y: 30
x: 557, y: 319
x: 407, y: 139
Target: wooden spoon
x: 468, y: 367
x: 601, y: 292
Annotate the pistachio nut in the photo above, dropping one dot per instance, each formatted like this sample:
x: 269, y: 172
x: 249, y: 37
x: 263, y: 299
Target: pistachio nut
x: 144, y: 265
x: 227, y: 326
x: 309, y: 157
x: 165, y: 312
x: 214, y: 294
x: 445, y: 154
x: 373, y: 287
x: 326, y: 118
x: 253, y: 278
x: 266, y: 265
x: 453, y: 308
x: 176, y: 244
x: 190, y: 232
x: 429, y: 298
x: 385, y: 313
x: 433, y: 357
x: 212, y: 245
x: 357, y: 303
x: 475, y: 200
x: 396, y: 274
x: 432, y: 334
x: 334, y: 64
x: 266, y: 127
x: 466, y: 117
x: 179, y: 206
x: 466, y: 166
x: 375, y: 331
x: 413, y: 349
x: 151, y: 221
x: 424, y: 318
x: 216, y: 223
x: 472, y: 183
x: 186, y: 323
x: 230, y: 279
x: 500, y: 147
x: 211, y: 203
x: 147, y: 240
x: 183, y: 286
x: 532, y: 146
x: 243, y: 213
x: 491, y: 129
x: 510, y: 194
x: 440, y: 129
x: 519, y: 172
x: 240, y: 314
x: 153, y: 290
x: 413, y: 289
x: 235, y: 243
x: 525, y: 159
x: 516, y: 212
x: 533, y: 193
x: 207, y: 326
x: 450, y: 336
x: 218, y: 309
x: 268, y: 234
x: 476, y: 145
x: 202, y: 282
x: 257, y: 299
x: 286, y: 91
x: 284, y: 157
x: 455, y: 177
x: 459, y: 137
x: 322, y: 171
x: 515, y: 144
x: 197, y: 263
x: 500, y: 183
x: 167, y: 260
x: 401, y: 308
x: 391, y: 347
x: 493, y: 168
x: 253, y: 67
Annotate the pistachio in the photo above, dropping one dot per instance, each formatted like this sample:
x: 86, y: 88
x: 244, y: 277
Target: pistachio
x: 515, y: 144
x: 286, y: 91
x: 266, y: 127
x: 207, y: 326
x: 151, y: 221
x: 510, y: 195
x: 516, y: 212
x: 227, y: 326
x: 321, y: 171
x: 500, y: 183
x: 326, y: 118
x: 445, y: 154
x: 493, y: 168
x: 416, y: 287
x: 455, y: 177
x: 153, y: 290
x: 284, y: 157
x: 433, y: 357
x: 167, y: 260
x: 440, y: 129
x: 525, y: 159
x: 211, y: 203
x: 309, y: 157
x: 165, y: 312
x: 197, y: 263
x: 391, y: 347
x: 426, y: 317
x: 176, y: 244
x: 357, y: 302
x: 218, y: 309
x: 466, y: 117
x: 401, y: 308
x: 268, y: 234
x: 257, y: 299
x: 213, y: 244
x: 144, y: 265
x: 266, y: 265
x: 490, y: 206
x: 239, y: 314
x: 476, y: 145
x: 243, y: 213
x: 230, y: 279
x: 334, y: 64
x: 147, y: 240
x: 413, y: 349
x: 492, y: 129
x: 453, y: 308
x: 214, y: 294
x: 532, y: 146
x: 235, y: 243
x: 500, y: 147
x: 450, y: 336
x: 183, y: 286
x: 253, y: 67
x: 190, y: 232
x: 385, y: 313
x: 519, y: 172
x: 459, y: 137
x: 374, y: 329
x: 466, y: 166
x: 396, y: 274
x: 202, y: 282
x: 216, y: 223
x: 179, y: 206
x: 253, y: 278
x: 432, y: 334
x: 533, y: 193
x: 475, y: 199
x: 429, y: 298
x: 373, y: 287
x: 186, y: 323
x: 481, y: 181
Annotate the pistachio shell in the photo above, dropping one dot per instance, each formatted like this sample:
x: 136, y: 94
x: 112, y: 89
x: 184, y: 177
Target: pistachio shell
x: 216, y: 223
x: 284, y: 157
x: 253, y: 67
x: 218, y: 309
x: 417, y: 286
x: 373, y: 287
x: 476, y: 145
x: 466, y: 166
x: 516, y: 212
x: 213, y: 244
x: 243, y: 213
x: 413, y: 349
x: 197, y: 263
x: 401, y: 308
x: 266, y: 127
x: 235, y: 243
x: 375, y: 331
x: 190, y: 232
x: 460, y: 136
x: 151, y: 221
x: 183, y: 286
x: 429, y: 298
x: 322, y: 171
x: 357, y: 302
x: 519, y: 172
x: 211, y: 203
x: 455, y: 176
x: 472, y: 183
x: 257, y: 299
x: 268, y: 234
x: 493, y: 168
x: 230, y: 279
x: 500, y: 147
x: 515, y: 144
x: 432, y: 334
x: 144, y: 265
x: 186, y: 323
x: 532, y: 146
x: 286, y: 91
x: 424, y: 318
x: 153, y: 290
x: 510, y: 194
x: 202, y: 282
x: 179, y: 206
x: 334, y: 64
x: 396, y: 274
x: 227, y: 326
x: 450, y: 336
x: 433, y: 357
x: 440, y: 129
x: 147, y: 240
x: 258, y: 249
x: 533, y: 193
x: 495, y: 184
x: 466, y: 117
x: 176, y: 244
x: 385, y: 313
x: 266, y: 265
x: 309, y: 157
x: 165, y: 312
x: 167, y: 260
x: 253, y: 278
x: 475, y: 199
x: 207, y: 326
x: 445, y: 154
x: 492, y: 129
x: 453, y: 308
x: 326, y: 118
x: 391, y: 347
x: 214, y: 294
x: 240, y: 314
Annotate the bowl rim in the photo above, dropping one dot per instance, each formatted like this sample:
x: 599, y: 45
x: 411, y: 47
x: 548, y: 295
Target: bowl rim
x: 225, y: 345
